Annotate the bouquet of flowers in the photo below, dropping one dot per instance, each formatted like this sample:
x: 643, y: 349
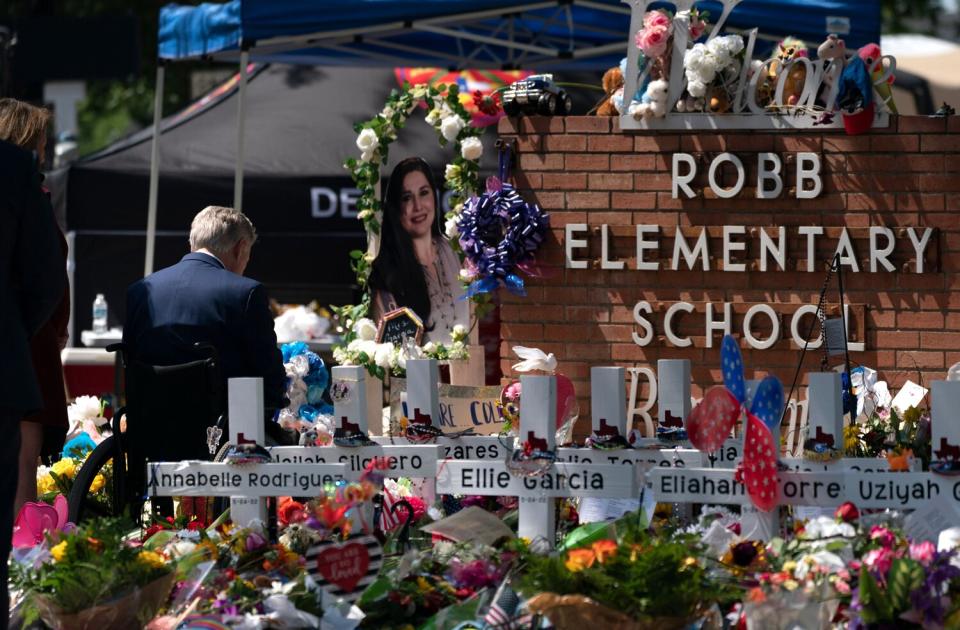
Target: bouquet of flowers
x: 885, y: 431
x: 424, y: 582
x: 645, y: 579
x: 361, y: 348
x: 92, y: 574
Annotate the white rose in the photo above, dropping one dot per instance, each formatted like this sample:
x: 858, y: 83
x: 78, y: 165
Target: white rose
x: 459, y: 331
x: 452, y: 171
x: 365, y: 214
x: 84, y: 408
x: 383, y: 355
x: 433, y: 117
x: 366, y: 156
x: 450, y: 228
x: 430, y: 347
x: 471, y: 148
x: 368, y: 141
x: 387, y: 112
x: 697, y: 89
x: 366, y: 330
x: 450, y: 127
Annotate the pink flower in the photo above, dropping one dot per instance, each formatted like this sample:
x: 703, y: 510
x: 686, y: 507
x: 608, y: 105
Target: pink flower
x: 657, y: 19
x: 879, y: 560
x: 883, y: 536
x: 652, y: 41
x: 842, y: 587
x: 697, y: 27
x: 923, y: 552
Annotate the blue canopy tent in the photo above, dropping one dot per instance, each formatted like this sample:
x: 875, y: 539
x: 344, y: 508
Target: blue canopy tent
x: 502, y: 34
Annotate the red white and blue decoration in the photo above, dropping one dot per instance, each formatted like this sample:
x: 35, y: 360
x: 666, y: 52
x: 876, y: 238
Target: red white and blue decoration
x: 500, y: 234
x: 710, y: 423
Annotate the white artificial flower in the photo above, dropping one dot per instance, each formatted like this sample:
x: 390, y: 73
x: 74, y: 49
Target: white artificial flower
x: 366, y: 156
x: 459, y: 331
x: 471, y: 148
x: 451, y: 229
x: 419, y: 91
x: 430, y: 347
x: 826, y: 527
x: 387, y: 112
x: 366, y: 330
x: 433, y: 117
x: 368, y: 141
x: 340, y: 356
x: 812, y: 561
x: 450, y: 127
x: 365, y: 214
x: 180, y: 548
x: 300, y: 365
x: 697, y: 89
x: 84, y: 408
x: 451, y: 172
x: 383, y: 354
x: 467, y: 275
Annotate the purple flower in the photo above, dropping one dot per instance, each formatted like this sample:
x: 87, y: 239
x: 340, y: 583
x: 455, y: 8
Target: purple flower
x: 255, y: 541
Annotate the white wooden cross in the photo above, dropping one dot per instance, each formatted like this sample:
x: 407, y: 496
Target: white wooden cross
x: 537, y: 494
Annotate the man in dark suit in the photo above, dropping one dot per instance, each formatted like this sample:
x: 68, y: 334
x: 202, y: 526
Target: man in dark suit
x: 31, y: 286
x: 205, y: 298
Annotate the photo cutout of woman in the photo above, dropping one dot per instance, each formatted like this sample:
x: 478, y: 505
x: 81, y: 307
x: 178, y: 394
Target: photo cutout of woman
x: 416, y: 267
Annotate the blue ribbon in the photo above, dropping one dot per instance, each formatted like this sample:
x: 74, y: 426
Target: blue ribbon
x: 483, y: 285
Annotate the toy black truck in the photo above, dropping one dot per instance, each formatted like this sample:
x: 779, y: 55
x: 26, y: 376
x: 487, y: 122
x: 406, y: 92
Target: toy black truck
x: 537, y: 94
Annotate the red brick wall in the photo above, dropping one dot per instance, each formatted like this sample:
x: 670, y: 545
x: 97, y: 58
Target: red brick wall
x: 585, y: 170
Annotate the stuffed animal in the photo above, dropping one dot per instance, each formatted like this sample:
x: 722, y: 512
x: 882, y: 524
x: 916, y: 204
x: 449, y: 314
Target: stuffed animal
x: 690, y: 104
x: 834, y: 51
x: 871, y: 56
x: 654, y: 101
x: 787, y: 50
x: 718, y: 101
x: 612, y: 87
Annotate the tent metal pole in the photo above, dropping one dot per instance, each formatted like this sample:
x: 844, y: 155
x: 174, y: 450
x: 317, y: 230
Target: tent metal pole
x: 154, y: 170
x: 241, y: 123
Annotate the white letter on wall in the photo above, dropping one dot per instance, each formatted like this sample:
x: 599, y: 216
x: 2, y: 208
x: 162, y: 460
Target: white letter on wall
x: 920, y: 246
x: 573, y: 243
x: 683, y: 181
x: 725, y: 325
x: 726, y: 193
x: 779, y: 252
x: 811, y: 232
x: 643, y: 245
x: 767, y: 310
x: 878, y: 255
x: 680, y: 342
x: 690, y: 256
x: 605, y: 262
x: 638, y: 309
x: 847, y: 255
x: 732, y: 246
x: 764, y: 175
x: 795, y: 324
x: 811, y: 172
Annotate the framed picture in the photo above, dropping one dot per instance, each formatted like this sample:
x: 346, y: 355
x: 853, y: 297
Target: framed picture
x: 400, y: 324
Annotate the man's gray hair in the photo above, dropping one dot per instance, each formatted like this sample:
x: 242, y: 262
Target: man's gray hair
x: 218, y: 229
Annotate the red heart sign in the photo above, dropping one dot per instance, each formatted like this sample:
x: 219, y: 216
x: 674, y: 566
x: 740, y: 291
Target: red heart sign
x: 344, y: 565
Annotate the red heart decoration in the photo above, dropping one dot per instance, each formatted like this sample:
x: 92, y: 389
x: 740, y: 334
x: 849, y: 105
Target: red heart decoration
x: 344, y: 565
x: 710, y: 422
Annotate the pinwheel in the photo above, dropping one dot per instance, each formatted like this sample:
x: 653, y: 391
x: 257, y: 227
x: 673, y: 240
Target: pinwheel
x: 711, y: 421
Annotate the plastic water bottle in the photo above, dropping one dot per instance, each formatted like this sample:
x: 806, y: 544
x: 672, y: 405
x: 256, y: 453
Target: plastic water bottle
x: 100, y: 314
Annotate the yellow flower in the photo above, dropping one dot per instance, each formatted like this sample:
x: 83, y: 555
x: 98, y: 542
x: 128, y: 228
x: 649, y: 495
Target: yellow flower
x: 689, y: 561
x: 65, y: 467
x: 790, y: 585
x: 790, y: 566
x: 59, y: 550
x: 152, y: 559
x: 98, y: 482
x: 579, y: 559
x: 423, y: 585
x: 46, y: 484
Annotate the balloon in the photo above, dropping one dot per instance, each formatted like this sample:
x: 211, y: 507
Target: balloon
x: 732, y: 365
x: 710, y: 422
x: 768, y: 402
x: 760, y: 464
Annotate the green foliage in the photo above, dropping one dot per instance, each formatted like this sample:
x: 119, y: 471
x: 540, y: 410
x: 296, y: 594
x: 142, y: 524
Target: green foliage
x: 906, y: 575
x: 876, y: 606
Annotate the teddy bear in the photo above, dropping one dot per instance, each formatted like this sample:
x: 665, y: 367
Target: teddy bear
x: 718, y: 101
x: 834, y: 50
x: 613, y: 89
x: 654, y: 101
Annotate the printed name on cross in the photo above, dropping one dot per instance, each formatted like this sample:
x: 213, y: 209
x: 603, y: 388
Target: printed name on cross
x: 770, y: 248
